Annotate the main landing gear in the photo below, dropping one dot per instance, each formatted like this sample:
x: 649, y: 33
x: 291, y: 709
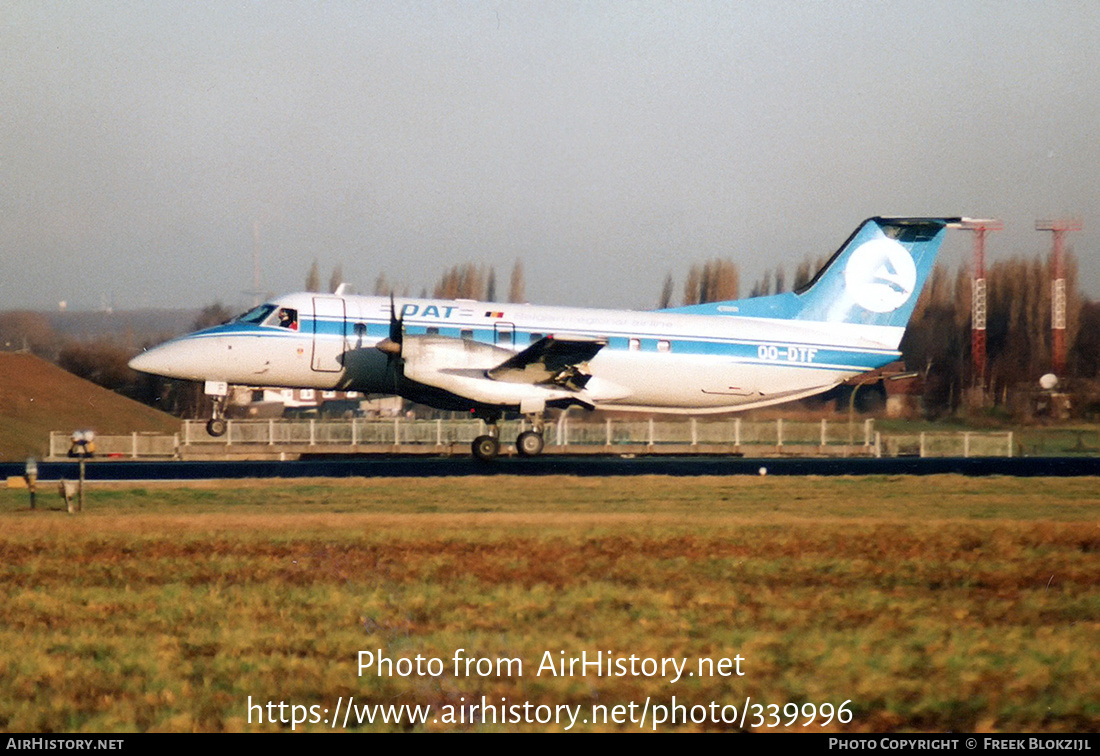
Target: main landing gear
x: 487, y: 447
x: 528, y: 444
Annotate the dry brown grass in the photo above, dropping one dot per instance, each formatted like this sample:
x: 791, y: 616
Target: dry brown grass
x: 931, y: 604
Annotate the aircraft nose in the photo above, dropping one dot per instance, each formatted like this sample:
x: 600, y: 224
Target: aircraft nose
x: 160, y: 360
x: 147, y: 362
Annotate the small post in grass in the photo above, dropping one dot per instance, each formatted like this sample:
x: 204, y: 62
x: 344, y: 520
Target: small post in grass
x: 30, y: 474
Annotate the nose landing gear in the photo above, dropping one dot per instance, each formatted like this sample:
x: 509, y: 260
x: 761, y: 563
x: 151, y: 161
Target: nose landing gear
x: 219, y: 397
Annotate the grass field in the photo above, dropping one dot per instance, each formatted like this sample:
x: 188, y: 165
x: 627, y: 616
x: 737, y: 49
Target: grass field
x: 928, y: 604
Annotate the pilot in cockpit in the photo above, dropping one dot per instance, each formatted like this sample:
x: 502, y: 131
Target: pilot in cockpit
x: 288, y: 318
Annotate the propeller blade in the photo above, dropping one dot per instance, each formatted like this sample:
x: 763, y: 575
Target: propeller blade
x: 396, y: 333
x: 392, y: 344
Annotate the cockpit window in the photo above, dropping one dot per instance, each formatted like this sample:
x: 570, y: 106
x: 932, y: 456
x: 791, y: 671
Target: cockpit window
x: 288, y: 318
x: 255, y: 315
x: 270, y: 315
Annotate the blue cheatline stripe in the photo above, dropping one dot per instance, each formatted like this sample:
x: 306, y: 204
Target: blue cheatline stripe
x: 697, y: 344
x: 762, y: 352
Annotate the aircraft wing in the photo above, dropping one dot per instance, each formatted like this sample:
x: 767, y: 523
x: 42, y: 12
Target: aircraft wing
x: 549, y: 360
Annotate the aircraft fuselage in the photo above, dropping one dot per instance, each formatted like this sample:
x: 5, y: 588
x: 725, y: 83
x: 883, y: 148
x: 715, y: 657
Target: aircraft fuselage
x: 651, y: 361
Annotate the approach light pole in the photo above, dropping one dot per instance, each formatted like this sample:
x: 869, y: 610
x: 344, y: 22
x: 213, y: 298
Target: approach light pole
x: 1058, y: 290
x: 978, y: 300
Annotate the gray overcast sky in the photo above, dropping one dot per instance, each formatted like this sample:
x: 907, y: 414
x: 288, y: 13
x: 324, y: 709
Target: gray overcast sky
x: 602, y: 143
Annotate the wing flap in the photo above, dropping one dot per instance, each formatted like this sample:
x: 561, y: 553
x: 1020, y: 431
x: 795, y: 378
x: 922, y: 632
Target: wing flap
x: 550, y: 361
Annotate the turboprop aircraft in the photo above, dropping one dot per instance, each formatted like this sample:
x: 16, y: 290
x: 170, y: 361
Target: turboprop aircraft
x: 491, y: 359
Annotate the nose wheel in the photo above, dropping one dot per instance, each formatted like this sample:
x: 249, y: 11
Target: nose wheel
x: 216, y: 425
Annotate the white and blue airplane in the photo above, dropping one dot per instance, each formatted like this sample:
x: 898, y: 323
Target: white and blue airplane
x: 491, y: 359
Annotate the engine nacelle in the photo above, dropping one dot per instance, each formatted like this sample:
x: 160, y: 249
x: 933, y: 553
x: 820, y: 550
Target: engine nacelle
x: 460, y: 366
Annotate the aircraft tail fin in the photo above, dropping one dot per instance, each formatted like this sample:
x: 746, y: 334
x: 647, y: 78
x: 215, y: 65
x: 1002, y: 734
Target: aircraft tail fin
x: 874, y: 279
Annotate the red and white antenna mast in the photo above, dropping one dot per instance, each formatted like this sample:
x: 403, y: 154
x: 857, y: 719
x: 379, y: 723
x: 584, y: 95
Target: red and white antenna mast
x: 1058, y: 289
x: 978, y: 299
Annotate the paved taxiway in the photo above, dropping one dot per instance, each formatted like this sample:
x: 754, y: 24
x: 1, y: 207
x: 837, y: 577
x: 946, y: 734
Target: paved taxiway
x: 589, y: 466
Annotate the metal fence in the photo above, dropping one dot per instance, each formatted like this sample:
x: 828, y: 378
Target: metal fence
x: 132, y: 446
x: 947, y: 444
x: 749, y: 437
x: 562, y: 432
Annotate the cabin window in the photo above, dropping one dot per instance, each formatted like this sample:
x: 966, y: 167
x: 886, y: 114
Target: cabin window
x: 635, y: 345
x: 432, y: 331
x: 663, y: 345
x: 467, y: 333
x: 306, y: 395
x: 534, y: 337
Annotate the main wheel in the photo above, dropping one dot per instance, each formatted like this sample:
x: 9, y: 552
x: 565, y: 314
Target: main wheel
x: 216, y: 426
x: 529, y: 444
x: 485, y: 448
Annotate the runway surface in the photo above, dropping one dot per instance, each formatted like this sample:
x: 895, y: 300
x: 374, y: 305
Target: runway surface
x: 589, y: 466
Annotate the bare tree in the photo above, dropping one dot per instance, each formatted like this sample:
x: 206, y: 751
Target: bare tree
x: 491, y: 286
x: 313, y: 279
x: 211, y: 315
x: 666, y: 294
x: 803, y: 274
x: 517, y: 287
x: 20, y: 329
x: 691, y: 285
x: 461, y: 282
x: 714, y: 281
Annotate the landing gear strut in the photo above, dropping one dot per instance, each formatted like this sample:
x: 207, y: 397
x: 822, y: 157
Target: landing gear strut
x: 530, y: 443
x: 487, y: 448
